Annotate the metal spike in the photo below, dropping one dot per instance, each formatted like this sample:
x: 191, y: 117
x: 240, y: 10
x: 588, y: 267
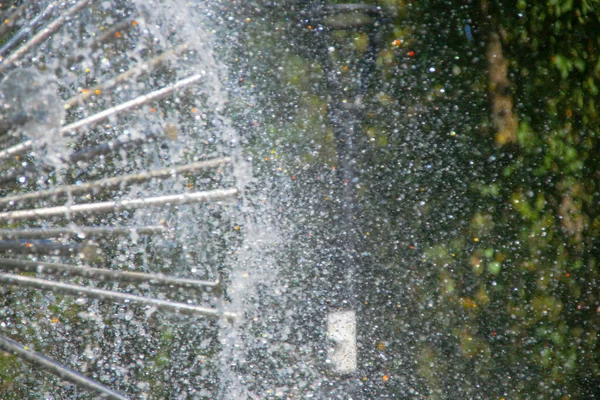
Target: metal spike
x: 14, y: 151
x: 116, y: 182
x: 46, y: 247
x: 112, y: 206
x: 125, y: 76
x: 26, y: 30
x: 78, y: 231
x: 58, y: 369
x: 42, y: 35
x: 118, y: 297
x: 71, y: 130
x: 107, y: 275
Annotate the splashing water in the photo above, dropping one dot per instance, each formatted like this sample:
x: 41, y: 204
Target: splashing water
x: 146, y: 87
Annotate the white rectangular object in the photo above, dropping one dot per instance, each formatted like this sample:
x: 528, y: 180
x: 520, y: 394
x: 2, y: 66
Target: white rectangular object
x: 341, y: 332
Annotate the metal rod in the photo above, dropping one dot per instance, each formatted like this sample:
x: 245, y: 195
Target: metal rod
x: 43, y: 34
x: 116, y: 182
x: 71, y: 130
x: 112, y: 206
x: 118, y: 297
x: 55, y: 368
x: 107, y: 275
x: 82, y: 155
x: 26, y: 30
x: 43, y: 247
x: 43, y: 233
x: 125, y: 76
x: 108, y: 147
x: 14, y: 151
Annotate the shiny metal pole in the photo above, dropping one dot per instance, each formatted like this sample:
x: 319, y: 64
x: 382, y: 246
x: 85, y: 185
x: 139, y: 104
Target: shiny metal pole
x: 345, y: 115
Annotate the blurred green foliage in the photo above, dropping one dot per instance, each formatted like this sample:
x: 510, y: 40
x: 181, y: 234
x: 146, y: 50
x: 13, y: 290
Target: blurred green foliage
x: 529, y: 318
